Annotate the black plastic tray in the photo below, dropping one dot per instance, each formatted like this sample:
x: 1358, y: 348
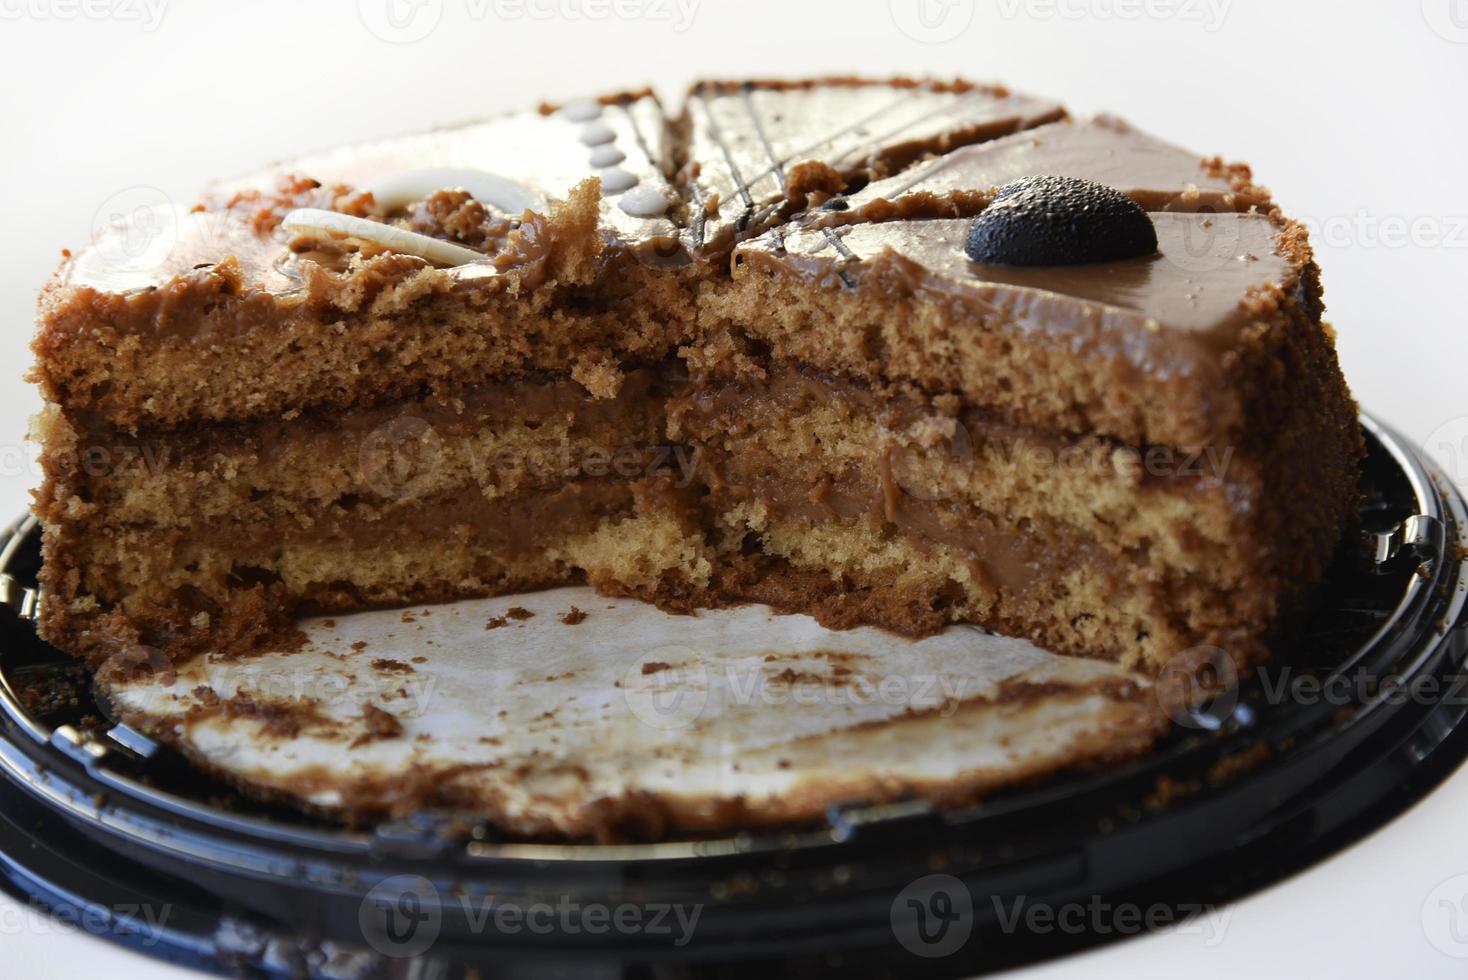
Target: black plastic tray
x: 104, y: 827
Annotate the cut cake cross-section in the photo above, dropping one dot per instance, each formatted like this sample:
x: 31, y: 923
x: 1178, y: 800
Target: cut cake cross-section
x: 743, y: 355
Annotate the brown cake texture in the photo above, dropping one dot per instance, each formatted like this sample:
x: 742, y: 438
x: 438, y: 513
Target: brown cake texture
x: 737, y: 354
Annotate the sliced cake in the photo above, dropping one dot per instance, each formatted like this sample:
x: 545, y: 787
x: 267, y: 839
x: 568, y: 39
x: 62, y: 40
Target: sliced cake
x: 852, y: 348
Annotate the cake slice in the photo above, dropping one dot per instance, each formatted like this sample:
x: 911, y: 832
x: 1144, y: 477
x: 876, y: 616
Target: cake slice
x: 752, y: 357
x: 1155, y: 174
x: 231, y: 315
x: 1130, y: 458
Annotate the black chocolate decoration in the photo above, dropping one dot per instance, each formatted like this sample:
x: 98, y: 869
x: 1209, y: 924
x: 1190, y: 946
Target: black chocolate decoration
x: 1047, y: 220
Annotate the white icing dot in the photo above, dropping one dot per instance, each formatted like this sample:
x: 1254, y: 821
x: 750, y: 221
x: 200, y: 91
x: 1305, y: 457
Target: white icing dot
x: 615, y: 180
x: 326, y: 225
x: 582, y: 110
x: 597, y: 133
x: 396, y: 190
x: 607, y: 155
x: 646, y: 201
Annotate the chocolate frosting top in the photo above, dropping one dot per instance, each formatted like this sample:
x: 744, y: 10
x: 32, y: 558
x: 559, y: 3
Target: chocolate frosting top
x: 749, y: 157
x: 750, y: 153
x: 756, y: 149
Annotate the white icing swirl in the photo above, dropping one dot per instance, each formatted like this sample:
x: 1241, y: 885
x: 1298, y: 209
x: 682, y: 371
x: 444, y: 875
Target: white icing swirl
x: 510, y: 196
x: 327, y: 225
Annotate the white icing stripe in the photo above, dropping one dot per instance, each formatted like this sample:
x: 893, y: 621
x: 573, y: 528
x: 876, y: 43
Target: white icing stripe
x: 646, y: 201
x: 584, y: 110
x: 607, y: 155
x: 615, y: 180
x: 315, y: 223
x: 598, y: 133
x: 511, y: 196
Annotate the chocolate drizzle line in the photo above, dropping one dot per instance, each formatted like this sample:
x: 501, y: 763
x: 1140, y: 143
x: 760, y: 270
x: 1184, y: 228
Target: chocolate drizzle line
x: 776, y: 164
x: 921, y: 175
x: 958, y: 101
x: 831, y: 138
x: 642, y: 142
x: 847, y: 257
x: 718, y: 134
x: 867, y: 143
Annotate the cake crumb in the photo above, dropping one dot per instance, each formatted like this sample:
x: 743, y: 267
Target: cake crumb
x: 654, y: 666
x: 598, y: 374
x: 496, y: 623
x: 519, y: 612
x: 573, y: 616
x: 360, y: 645
x: 379, y: 724
x: 392, y: 666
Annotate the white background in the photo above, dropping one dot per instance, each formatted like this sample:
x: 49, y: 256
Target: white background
x: 1353, y: 112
